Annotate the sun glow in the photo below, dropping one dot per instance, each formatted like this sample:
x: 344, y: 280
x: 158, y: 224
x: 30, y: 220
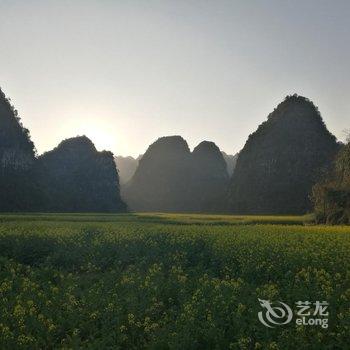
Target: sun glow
x: 98, y: 130
x: 100, y: 135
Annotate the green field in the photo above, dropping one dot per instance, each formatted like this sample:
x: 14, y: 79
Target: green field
x: 166, y: 281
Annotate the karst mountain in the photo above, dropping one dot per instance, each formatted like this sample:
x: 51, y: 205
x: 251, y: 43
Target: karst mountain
x: 231, y: 161
x: 274, y: 173
x: 281, y: 161
x: 75, y: 177
x: 126, y: 167
x: 171, y: 178
x: 209, y: 178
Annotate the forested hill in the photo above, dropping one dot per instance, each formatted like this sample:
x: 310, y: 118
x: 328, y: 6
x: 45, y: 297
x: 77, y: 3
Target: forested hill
x: 76, y: 177
x: 72, y: 177
x: 17, y: 154
x: 281, y: 160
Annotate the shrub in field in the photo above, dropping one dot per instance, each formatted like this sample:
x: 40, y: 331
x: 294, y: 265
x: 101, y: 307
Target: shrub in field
x: 331, y: 196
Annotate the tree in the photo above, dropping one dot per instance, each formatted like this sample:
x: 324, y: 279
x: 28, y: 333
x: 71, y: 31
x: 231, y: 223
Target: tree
x: 331, y: 195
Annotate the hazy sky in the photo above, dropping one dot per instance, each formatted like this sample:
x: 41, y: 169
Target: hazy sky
x: 127, y: 72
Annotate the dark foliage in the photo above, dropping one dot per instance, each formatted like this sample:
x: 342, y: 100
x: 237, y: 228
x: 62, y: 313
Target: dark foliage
x: 17, y: 154
x: 171, y: 178
x: 75, y: 177
x: 331, y: 196
x: 282, y: 160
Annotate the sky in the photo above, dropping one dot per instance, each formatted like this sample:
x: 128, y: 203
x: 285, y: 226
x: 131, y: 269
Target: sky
x: 125, y: 73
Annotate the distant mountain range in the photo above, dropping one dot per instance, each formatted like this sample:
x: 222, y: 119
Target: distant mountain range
x: 171, y: 178
x: 273, y: 174
x: 231, y: 161
x: 127, y: 165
